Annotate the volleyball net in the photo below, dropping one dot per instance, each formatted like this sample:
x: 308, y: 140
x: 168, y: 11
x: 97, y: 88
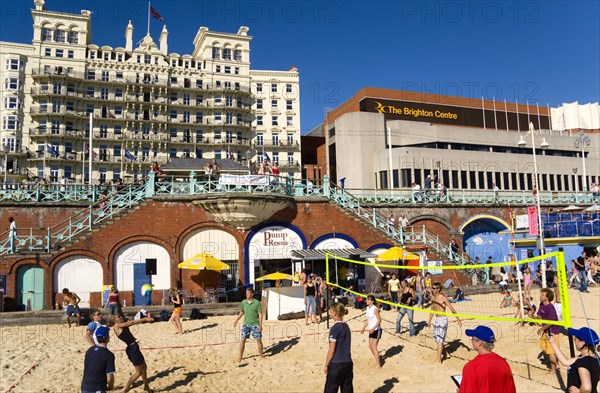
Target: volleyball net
x: 497, y: 291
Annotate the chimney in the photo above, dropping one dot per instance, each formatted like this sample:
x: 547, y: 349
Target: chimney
x: 164, y: 47
x: 40, y: 5
x: 129, y: 37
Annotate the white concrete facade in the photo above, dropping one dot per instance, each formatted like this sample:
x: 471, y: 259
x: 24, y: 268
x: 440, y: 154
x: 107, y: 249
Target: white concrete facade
x: 147, y: 103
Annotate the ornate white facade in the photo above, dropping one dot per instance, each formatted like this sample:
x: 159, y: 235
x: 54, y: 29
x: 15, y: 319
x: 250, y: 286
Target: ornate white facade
x: 147, y: 104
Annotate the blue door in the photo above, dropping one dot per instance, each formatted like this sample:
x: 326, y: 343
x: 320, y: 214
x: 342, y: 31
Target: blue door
x: 30, y: 288
x: 139, y: 278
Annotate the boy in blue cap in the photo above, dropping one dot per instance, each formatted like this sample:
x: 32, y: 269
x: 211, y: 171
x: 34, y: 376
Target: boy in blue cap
x: 99, y: 366
x: 487, y: 372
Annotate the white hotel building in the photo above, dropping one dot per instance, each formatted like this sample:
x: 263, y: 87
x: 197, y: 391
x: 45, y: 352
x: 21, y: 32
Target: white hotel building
x: 147, y: 104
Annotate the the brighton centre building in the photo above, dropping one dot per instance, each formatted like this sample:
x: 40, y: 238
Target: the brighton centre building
x: 466, y: 143
x: 147, y: 104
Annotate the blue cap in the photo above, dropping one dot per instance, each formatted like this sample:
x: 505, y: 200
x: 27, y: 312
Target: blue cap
x: 482, y: 333
x: 102, y: 331
x: 586, y: 335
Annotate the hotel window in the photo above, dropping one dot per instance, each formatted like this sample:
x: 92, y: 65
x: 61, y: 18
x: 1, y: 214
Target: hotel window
x: 12, y: 64
x: 228, y: 85
x: 147, y: 59
x: 73, y: 37
x: 237, y: 86
x: 103, y: 131
x: 46, y: 34
x: 276, y: 157
x: 104, y: 93
x: 229, y: 136
x: 91, y: 75
x: 105, y: 56
x: 199, y: 116
x: 227, y: 70
x: 259, y: 120
x: 9, y: 123
x: 92, y: 54
x: 120, y: 57
x: 236, y: 70
x: 59, y: 53
x: 173, y: 98
x: 186, y: 116
x: 239, y: 119
x: 228, y: 118
x: 71, y: 54
x: 119, y: 94
x: 237, y: 55
x: 173, y: 114
x: 216, y: 53
x: 199, y: 100
x: 226, y: 54
x: 186, y: 99
x: 56, y: 106
x: 275, y: 140
x: 274, y: 121
x: 199, y: 83
x: 11, y: 103
x: 288, y: 88
x: 260, y: 140
x: 118, y: 131
x: 259, y: 104
x: 119, y: 75
x: 11, y: 83
x: 47, y: 52
x: 259, y: 87
x: 290, y: 140
x: 59, y: 36
x: 273, y: 87
x: 218, y: 68
x: 288, y: 105
x: 118, y: 111
x: 43, y: 107
x: 104, y: 76
x: 217, y: 100
x: 217, y: 117
x: 273, y: 104
x: 290, y: 159
x: 217, y: 136
x: 290, y: 121
x: 55, y: 128
x: 173, y: 81
x: 229, y: 100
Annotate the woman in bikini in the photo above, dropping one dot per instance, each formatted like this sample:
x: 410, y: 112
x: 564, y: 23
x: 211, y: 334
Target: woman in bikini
x: 176, y: 299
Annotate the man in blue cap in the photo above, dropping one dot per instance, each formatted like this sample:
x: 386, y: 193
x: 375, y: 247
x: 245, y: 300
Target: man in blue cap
x: 488, y: 372
x: 99, y: 366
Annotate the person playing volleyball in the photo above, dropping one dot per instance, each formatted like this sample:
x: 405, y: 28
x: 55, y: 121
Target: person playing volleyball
x: 439, y: 302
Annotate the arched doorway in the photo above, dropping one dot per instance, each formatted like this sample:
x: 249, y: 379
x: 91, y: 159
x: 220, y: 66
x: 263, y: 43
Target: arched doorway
x: 486, y: 236
x: 81, y: 275
x: 30, y: 288
x: 131, y: 269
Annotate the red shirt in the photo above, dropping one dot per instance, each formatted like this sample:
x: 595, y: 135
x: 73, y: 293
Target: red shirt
x: 488, y: 373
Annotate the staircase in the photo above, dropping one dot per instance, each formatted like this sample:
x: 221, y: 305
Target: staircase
x: 78, y: 226
x: 405, y: 236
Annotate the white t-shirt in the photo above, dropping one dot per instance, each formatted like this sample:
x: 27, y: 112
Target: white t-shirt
x: 372, y: 318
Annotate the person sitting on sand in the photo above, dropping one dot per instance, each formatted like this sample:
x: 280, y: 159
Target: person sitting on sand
x: 439, y: 302
x: 72, y: 301
x: 507, y: 299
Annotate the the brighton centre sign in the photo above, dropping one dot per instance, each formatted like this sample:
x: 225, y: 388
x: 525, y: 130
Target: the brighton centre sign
x: 447, y: 114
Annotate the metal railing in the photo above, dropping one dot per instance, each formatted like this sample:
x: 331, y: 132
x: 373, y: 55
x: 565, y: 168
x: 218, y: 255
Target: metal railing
x: 47, y: 239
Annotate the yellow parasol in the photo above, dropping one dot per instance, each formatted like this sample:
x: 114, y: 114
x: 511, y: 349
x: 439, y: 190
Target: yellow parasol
x: 397, y: 254
x: 203, y: 261
x: 276, y: 276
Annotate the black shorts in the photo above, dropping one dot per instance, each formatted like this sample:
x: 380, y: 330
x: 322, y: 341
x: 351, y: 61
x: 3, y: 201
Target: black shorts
x: 376, y: 334
x: 135, y: 355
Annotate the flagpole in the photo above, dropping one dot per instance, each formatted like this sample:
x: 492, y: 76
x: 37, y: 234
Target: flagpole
x: 495, y: 121
x: 91, y: 151
x: 148, y: 17
x: 506, y: 114
x: 122, y: 157
x: 549, y: 117
x: 44, y: 164
x: 83, y: 162
x: 518, y: 124
x: 483, y: 109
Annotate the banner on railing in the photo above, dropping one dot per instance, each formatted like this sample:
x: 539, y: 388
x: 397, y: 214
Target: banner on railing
x: 244, y: 180
x: 533, y: 220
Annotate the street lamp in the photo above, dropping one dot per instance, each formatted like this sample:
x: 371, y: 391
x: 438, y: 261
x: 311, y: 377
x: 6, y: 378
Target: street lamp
x: 543, y: 145
x: 581, y: 142
x: 6, y: 149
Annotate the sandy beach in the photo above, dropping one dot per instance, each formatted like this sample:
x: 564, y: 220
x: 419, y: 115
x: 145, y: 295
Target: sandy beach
x: 203, y: 359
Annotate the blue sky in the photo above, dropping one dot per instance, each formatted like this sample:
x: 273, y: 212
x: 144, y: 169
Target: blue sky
x: 541, y: 51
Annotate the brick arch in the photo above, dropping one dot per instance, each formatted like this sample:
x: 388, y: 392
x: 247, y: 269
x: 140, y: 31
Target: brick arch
x: 84, y: 252
x: 431, y: 217
x: 477, y: 217
x: 137, y: 238
x: 238, y: 235
x: 28, y: 261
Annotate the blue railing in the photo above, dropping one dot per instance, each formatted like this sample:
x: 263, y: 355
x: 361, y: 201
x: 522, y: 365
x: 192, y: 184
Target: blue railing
x: 45, y: 240
x: 50, y: 192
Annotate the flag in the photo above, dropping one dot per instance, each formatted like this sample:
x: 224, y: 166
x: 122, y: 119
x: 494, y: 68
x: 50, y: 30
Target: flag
x: 266, y: 156
x: 129, y: 156
x: 155, y: 14
x: 52, y: 151
x: 87, y: 150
